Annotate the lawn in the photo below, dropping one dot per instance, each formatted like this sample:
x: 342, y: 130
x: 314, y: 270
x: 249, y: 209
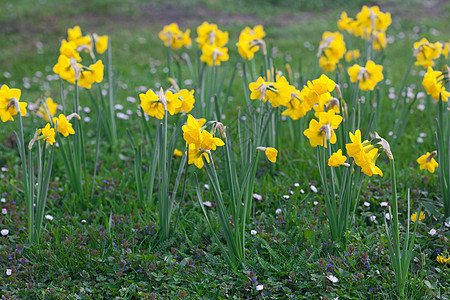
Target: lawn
x: 122, y: 216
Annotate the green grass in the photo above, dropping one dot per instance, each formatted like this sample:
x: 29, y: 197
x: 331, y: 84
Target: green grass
x: 110, y: 248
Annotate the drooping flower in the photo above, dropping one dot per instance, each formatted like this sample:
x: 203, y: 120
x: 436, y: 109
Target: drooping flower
x: 337, y: 159
x: 427, y: 162
x: 177, y: 153
x: 270, y: 152
x: 414, y: 217
x: 101, y: 43
x: 367, y: 76
x: 174, y: 37
x: 63, y: 126
x: 434, y: 85
x: 7, y: 107
x: 49, y: 108
x: 364, y: 154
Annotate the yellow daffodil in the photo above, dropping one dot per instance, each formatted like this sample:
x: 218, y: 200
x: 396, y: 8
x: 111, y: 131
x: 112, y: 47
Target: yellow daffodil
x: 7, y: 108
x: 379, y: 40
x: 270, y: 152
x: 425, y: 52
x: 173, y: 37
x: 414, y: 217
x: 64, y: 69
x: 371, y: 18
x: 427, y: 162
x: 250, y: 41
x: 344, y: 23
x: 209, y: 142
x: 364, y: 154
x: 209, y: 34
x: 101, y: 43
x: 434, y: 85
x: 151, y: 104
x: 48, y: 134
x: 68, y: 49
x: 331, y: 50
x: 192, y: 131
x: 352, y: 55
x: 337, y: 159
x: 63, y: 126
x: 296, y: 108
x: 367, y: 76
x: 177, y: 153
x: 328, y: 122
x: 92, y: 74
x: 213, y: 55
x: 50, y: 108
x: 187, y: 101
x: 443, y: 259
x: 196, y: 155
x: 258, y: 89
x: 75, y: 35
x: 173, y: 102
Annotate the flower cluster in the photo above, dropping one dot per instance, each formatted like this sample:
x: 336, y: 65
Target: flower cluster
x: 199, y: 141
x: 331, y: 50
x: 250, y: 40
x: 173, y: 37
x: 9, y: 106
x: 434, y: 83
x: 367, y: 76
x: 370, y: 23
x: 421, y: 217
x: 212, y: 42
x: 156, y: 104
x: 68, y: 66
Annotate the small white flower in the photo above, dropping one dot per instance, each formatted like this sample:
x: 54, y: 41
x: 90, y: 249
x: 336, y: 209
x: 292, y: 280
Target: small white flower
x: 447, y: 224
x: 5, y: 169
x: 302, y: 191
x: 372, y: 218
x: 332, y: 278
x: 87, y: 109
x: 383, y: 204
x: 286, y: 197
x: 207, y: 203
x: 367, y: 204
x: 278, y: 211
x: 131, y: 99
x: 291, y: 192
x: 388, y: 216
x: 259, y: 287
x: 296, y: 184
x: 4, y: 211
x: 4, y: 232
x: 122, y: 116
x: 83, y: 221
x: 419, y: 140
x: 253, y: 232
x: 257, y: 197
x: 87, y: 119
x: 315, y: 202
x: 432, y: 232
x: 8, y: 272
x: 206, y: 187
x: 48, y: 217
x: 313, y: 188
x: 118, y: 106
x: 3, y: 200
